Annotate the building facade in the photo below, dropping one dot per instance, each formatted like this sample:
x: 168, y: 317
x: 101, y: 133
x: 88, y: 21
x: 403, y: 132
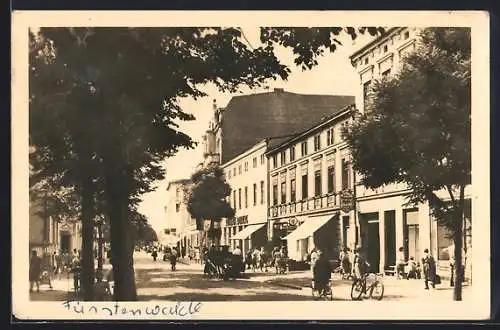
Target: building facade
x: 180, y: 228
x: 50, y: 234
x: 384, y: 223
x: 306, y: 176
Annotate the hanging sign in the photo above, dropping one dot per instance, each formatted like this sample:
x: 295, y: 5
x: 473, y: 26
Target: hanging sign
x: 346, y: 200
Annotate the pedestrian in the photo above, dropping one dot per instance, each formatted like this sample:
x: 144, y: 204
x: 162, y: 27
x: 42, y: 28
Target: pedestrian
x: 429, y: 269
x: 411, y: 269
x: 452, y: 271
x: 197, y: 255
x: 154, y: 254
x: 360, y: 265
x: 35, y: 270
x: 173, y: 258
x: 257, y: 258
x: 400, y: 263
x: 321, y: 272
x: 76, y: 270
x: 345, y: 262
x: 314, y: 257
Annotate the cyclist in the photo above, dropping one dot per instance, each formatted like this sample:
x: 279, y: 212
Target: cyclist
x: 322, y: 272
x: 360, y: 265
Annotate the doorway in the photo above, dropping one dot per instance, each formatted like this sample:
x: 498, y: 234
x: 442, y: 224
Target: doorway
x: 65, y: 240
x: 411, y: 234
x: 370, y: 240
x: 390, y: 238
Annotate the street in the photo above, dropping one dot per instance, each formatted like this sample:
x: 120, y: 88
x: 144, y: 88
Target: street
x: 155, y: 281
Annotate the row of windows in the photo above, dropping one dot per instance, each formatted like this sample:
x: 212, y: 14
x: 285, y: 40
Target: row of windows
x: 236, y: 199
x: 330, y: 139
x: 385, y: 48
x: 346, y: 184
x: 255, y: 162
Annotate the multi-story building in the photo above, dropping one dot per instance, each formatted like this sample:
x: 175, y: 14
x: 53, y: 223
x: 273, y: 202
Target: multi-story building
x: 179, y: 223
x: 306, y: 175
x: 384, y: 222
x: 240, y: 132
x: 247, y: 175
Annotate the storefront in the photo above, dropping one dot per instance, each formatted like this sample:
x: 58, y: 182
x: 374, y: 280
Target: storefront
x: 301, y: 234
x: 250, y: 237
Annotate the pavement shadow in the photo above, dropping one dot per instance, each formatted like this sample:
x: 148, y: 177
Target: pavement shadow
x: 53, y: 295
x: 201, y: 296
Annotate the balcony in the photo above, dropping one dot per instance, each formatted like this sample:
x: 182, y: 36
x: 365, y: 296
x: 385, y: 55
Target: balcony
x: 323, y: 202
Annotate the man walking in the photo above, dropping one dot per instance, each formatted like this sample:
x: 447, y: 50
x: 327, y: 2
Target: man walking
x: 35, y: 269
x: 429, y: 269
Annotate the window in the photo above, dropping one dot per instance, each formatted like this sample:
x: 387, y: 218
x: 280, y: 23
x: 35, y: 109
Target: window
x: 386, y: 73
x: 329, y: 136
x: 239, y: 169
x: 304, y: 186
x: 246, y: 197
x: 292, y: 190
x: 262, y: 157
x: 317, y: 183
x: 234, y: 199
x: 234, y: 171
x: 246, y: 166
x: 303, y: 148
x: 346, y: 182
x: 366, y: 92
x: 229, y: 174
x: 331, y: 179
x: 407, y: 35
x: 317, y: 142
x: 262, y: 192
x: 292, y: 153
x: 254, y: 194
x: 275, y: 161
x: 275, y: 194
x: 366, y: 60
x: 385, y: 49
x: 283, y: 192
x: 177, y: 207
x: 239, y: 198
x: 255, y: 162
x: 283, y: 158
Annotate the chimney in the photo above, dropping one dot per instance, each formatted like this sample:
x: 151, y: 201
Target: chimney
x: 279, y: 90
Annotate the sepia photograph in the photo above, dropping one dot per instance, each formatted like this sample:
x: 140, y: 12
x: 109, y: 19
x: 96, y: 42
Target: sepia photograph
x: 299, y: 165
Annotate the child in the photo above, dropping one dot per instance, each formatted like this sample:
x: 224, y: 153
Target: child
x: 411, y: 269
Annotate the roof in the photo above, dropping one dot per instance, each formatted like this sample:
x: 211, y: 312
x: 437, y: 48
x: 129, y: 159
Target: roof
x: 179, y: 181
x: 248, y: 119
x: 373, y: 42
x: 310, y: 129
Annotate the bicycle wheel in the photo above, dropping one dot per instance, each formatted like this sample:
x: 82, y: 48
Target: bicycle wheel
x: 356, y: 289
x: 377, y: 290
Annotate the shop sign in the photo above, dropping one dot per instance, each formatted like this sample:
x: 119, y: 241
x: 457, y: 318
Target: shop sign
x: 346, y: 201
x: 241, y: 220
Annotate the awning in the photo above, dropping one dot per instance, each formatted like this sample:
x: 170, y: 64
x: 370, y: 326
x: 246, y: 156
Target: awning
x: 247, y: 231
x: 308, y: 227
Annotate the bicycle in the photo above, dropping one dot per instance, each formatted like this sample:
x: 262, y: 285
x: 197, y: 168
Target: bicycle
x: 324, y: 293
x: 373, y: 288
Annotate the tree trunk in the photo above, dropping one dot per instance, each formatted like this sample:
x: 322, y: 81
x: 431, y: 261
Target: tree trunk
x: 87, y: 275
x: 458, y: 240
x: 121, y: 247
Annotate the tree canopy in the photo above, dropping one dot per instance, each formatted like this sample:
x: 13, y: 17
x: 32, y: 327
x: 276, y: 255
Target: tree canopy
x: 207, y: 198
x: 416, y: 128
x: 104, y: 109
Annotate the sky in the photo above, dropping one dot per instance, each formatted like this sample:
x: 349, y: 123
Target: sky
x: 334, y: 75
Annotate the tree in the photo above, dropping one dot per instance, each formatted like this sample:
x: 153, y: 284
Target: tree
x: 416, y: 130
x: 207, y: 199
x: 104, y: 109
x: 142, y: 232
